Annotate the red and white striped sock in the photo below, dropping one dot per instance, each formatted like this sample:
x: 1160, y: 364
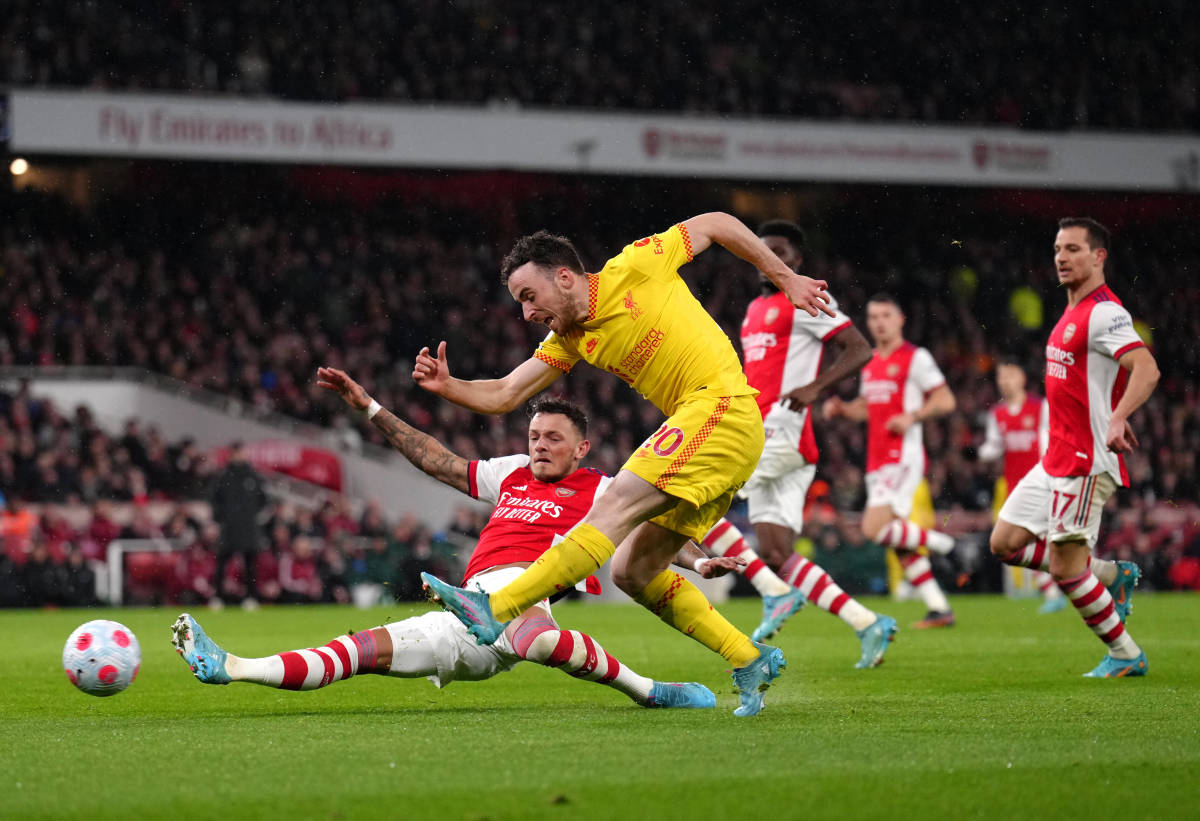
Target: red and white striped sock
x: 539, y: 639
x: 899, y: 533
x: 1046, y: 584
x: 1095, y: 604
x: 309, y: 669
x: 919, y: 573
x: 1035, y: 556
x: 820, y: 589
x: 727, y: 540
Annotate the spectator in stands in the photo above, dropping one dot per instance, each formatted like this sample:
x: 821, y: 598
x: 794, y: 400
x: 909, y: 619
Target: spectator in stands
x: 79, y: 581
x: 238, y: 498
x: 299, y: 577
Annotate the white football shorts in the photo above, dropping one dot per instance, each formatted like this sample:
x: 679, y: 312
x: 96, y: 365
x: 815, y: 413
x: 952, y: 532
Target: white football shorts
x: 1065, y: 508
x: 894, y: 486
x: 442, y: 638
x: 776, y: 491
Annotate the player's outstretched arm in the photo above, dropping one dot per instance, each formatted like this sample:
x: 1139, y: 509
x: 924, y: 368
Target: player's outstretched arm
x: 422, y: 450
x: 531, y: 377
x: 731, y: 233
x: 1143, y: 378
x: 852, y: 353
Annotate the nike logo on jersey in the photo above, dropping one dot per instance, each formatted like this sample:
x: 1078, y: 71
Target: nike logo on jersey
x: 520, y: 487
x: 1081, y: 455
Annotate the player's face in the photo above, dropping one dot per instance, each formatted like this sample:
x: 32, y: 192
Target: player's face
x: 555, y: 447
x: 544, y: 297
x: 884, y: 322
x: 1010, y: 380
x: 782, y: 247
x: 1074, y: 258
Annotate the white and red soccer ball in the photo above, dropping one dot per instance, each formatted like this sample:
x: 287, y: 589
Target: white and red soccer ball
x: 102, y: 657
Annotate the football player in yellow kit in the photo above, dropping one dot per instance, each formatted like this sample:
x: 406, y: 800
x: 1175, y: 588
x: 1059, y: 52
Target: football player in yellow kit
x: 637, y: 319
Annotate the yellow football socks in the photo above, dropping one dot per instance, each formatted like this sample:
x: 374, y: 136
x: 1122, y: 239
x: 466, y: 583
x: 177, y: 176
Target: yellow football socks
x: 680, y: 604
x: 583, y: 550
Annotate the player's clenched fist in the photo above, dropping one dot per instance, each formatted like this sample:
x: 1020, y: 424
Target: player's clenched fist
x: 432, y: 372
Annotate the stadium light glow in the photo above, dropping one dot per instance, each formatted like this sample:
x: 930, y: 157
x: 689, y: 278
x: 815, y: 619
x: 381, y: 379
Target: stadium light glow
x: 18, y: 166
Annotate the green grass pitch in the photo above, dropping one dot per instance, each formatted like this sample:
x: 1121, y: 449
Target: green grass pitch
x: 989, y: 719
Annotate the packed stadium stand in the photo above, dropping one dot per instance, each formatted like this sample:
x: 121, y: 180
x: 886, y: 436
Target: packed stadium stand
x: 1102, y: 68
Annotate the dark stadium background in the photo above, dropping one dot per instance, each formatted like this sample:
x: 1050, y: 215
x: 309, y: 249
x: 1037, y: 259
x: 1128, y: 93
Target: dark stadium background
x: 228, y: 283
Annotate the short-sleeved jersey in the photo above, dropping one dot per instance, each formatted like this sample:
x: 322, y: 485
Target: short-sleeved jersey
x: 1084, y: 383
x: 1019, y: 434
x: 644, y: 325
x: 530, y: 515
x: 894, y: 384
x: 782, y: 348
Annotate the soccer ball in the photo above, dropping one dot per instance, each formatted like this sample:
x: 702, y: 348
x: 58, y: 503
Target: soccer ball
x: 102, y: 657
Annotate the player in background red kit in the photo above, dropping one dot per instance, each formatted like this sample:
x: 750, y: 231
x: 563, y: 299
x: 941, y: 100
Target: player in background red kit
x: 1098, y: 372
x: 1018, y: 429
x: 901, y: 388
x: 538, y: 497
x: 782, y: 349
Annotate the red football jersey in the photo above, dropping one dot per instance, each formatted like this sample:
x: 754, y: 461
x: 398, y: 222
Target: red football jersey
x: 1084, y: 383
x: 894, y: 384
x: 1019, y: 434
x: 530, y: 515
x: 782, y: 348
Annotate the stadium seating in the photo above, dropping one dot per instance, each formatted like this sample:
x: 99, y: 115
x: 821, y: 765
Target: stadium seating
x: 966, y: 63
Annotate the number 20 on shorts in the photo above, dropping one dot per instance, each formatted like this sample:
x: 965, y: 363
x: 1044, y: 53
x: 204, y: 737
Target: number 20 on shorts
x: 665, y: 441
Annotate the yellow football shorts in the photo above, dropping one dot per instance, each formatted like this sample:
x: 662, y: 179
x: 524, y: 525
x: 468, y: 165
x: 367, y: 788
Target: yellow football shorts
x: 702, y: 455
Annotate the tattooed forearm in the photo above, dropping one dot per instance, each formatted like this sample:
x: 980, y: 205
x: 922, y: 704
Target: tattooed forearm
x: 426, y: 453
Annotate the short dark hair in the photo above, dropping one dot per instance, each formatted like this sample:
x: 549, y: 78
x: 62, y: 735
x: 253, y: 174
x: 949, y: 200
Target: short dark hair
x: 558, y: 404
x: 544, y: 249
x: 1098, y: 235
x: 884, y: 296
x: 790, y: 231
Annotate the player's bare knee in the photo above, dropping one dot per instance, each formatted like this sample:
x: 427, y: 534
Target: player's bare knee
x: 1000, y: 546
x: 627, y: 581
x: 1007, y: 539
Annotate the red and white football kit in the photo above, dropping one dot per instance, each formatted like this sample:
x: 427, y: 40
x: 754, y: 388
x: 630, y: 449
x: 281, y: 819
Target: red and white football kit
x: 530, y: 516
x: 891, y: 385
x: 1065, y: 493
x: 1019, y: 434
x: 782, y: 348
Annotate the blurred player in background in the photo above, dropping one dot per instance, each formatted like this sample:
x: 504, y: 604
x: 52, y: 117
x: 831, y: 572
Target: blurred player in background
x: 538, y: 497
x: 637, y: 319
x: 1018, y: 429
x: 1098, y: 372
x: 783, y: 349
x: 902, y: 387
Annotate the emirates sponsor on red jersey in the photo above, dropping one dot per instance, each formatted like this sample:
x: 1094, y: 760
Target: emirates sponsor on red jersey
x: 529, y: 513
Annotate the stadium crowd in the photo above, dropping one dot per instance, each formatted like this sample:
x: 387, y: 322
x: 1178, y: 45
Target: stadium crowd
x: 246, y: 299
x: 1035, y: 65
x: 69, y: 489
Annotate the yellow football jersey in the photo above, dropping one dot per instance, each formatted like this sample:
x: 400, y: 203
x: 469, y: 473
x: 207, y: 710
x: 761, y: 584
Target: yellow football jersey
x: 644, y: 325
